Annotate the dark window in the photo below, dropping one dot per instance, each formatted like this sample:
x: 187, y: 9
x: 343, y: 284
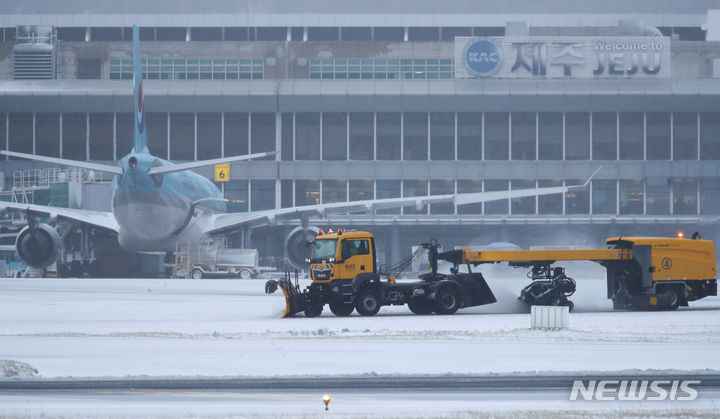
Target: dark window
x: 182, y: 136
x: 632, y: 196
x: 469, y: 135
x: 262, y: 133
x: 690, y: 33
x: 423, y: 34
x: 307, y: 192
x: 323, y: 34
x: 71, y: 34
x: 685, y: 196
x: 388, y: 136
x: 657, y: 196
x: 386, y: 189
x: 171, y: 34
x: 496, y: 135
x: 236, y: 192
x: 388, y: 33
x: 415, y: 131
x: 236, y: 134
x: 604, y: 196
x: 709, y: 196
x: 334, y: 133
x: 658, y: 136
x: 47, y: 134
x: 356, y: 34
x: 296, y: 33
x: 307, y: 136
x: 334, y: 191
x: 146, y: 34
x: 262, y: 195
x: 449, y: 33
x: 208, y: 135
x: 413, y: 187
x: 550, y: 136
x: 3, y: 134
x: 101, y: 136
x: 525, y: 205
x: 577, y: 201
x: 236, y: 34
x: 287, y: 136
x: 74, y: 136
x: 497, y: 206
x: 469, y: 186
x: 124, y: 133
x: 361, y: 190
x: 442, y: 187
x: 685, y: 136
x: 577, y: 136
x: 604, y: 136
x: 271, y: 34
x: 286, y: 193
x: 631, y: 136
x: 206, y: 34
x: 89, y: 68
x: 550, y: 204
x: 489, y: 31
x: 157, y: 134
x: 710, y: 136
x: 10, y: 34
x: 105, y: 34
x: 523, y: 135
x: 20, y: 134
x: 361, y: 136
x: 442, y: 136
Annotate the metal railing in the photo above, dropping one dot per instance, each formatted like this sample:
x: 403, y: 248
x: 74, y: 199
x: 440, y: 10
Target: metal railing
x: 43, y: 178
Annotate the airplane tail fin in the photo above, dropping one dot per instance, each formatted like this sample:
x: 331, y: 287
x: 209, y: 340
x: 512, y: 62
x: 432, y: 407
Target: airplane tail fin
x: 140, y: 138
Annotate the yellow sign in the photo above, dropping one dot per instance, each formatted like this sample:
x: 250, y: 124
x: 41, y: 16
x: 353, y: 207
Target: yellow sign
x: 222, y: 172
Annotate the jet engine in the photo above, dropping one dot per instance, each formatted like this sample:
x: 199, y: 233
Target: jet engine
x: 296, y: 245
x: 38, y: 246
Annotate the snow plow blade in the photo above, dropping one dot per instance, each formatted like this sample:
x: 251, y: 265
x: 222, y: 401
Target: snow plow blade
x: 294, y: 300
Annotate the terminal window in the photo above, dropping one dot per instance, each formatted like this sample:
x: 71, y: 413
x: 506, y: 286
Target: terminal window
x: 381, y: 68
x: 190, y: 69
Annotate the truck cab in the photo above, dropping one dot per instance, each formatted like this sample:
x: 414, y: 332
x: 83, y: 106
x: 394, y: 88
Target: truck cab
x: 342, y: 256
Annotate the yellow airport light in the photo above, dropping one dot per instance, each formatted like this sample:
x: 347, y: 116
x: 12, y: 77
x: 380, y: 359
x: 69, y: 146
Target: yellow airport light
x: 326, y: 400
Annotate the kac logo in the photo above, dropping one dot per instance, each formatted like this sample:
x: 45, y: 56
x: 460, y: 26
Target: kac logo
x: 483, y: 57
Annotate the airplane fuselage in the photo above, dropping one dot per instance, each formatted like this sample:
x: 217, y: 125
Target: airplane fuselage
x: 153, y: 211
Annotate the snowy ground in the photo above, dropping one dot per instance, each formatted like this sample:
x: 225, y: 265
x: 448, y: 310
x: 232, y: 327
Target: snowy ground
x: 157, y: 327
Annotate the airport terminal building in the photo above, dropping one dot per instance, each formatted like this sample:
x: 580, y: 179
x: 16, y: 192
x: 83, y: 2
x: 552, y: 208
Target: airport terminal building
x: 387, y: 99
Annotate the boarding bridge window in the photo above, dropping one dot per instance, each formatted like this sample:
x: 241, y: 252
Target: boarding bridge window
x: 20, y: 132
x: 271, y: 34
x: 604, y: 196
x: 386, y: 189
x: 657, y: 143
x: 236, y: 34
x: 442, y: 187
x: 523, y: 135
x: 182, y: 136
x: 415, y: 136
x: 361, y: 136
x: 262, y: 195
x: 323, y: 34
x: 685, y: 194
x: 106, y: 34
x: 334, y: 133
x: 685, y: 136
x: 550, y: 135
x: 389, y: 33
x: 236, y: 133
x: 469, y: 135
x: 307, y: 136
x: 236, y: 193
x: 209, y: 135
x: 577, y: 136
x: 190, y: 69
x: 74, y: 136
x: 360, y: 190
x: 709, y: 196
x: 262, y: 135
x: 442, y: 136
x: 631, y: 135
x: 381, y: 68
x: 307, y: 192
x: 469, y: 186
x: 206, y: 34
x: 710, y: 136
x: 356, y: 34
x: 423, y: 34
x: 124, y: 133
x: 388, y: 135
x: 101, y: 136
x: 496, y: 206
x: 71, y: 34
x: 657, y: 196
x: 604, y: 136
x: 412, y: 187
x: 550, y: 204
x: 577, y: 201
x: 524, y: 205
x: 47, y: 134
x: 286, y: 135
x: 449, y: 33
x: 632, y: 196
x: 496, y: 135
x: 334, y: 191
x: 171, y: 34
x: 157, y: 133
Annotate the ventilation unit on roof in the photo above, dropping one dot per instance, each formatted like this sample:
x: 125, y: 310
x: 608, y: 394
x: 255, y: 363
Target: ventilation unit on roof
x: 34, y: 53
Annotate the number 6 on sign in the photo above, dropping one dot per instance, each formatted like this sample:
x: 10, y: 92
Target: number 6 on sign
x: 222, y: 172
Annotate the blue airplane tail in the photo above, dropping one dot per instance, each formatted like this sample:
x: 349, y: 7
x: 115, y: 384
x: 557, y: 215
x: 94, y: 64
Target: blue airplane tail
x: 140, y: 138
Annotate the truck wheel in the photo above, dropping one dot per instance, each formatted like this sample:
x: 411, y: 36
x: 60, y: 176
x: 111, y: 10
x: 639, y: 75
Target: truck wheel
x: 418, y: 306
x: 313, y: 310
x: 447, y: 301
x: 674, y: 295
x: 341, y: 309
x: 367, y: 303
x: 245, y: 274
x: 196, y: 274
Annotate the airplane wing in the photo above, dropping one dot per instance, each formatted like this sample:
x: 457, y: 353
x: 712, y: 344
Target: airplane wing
x: 224, y: 222
x: 65, y: 162
x: 202, y: 163
x: 101, y: 219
